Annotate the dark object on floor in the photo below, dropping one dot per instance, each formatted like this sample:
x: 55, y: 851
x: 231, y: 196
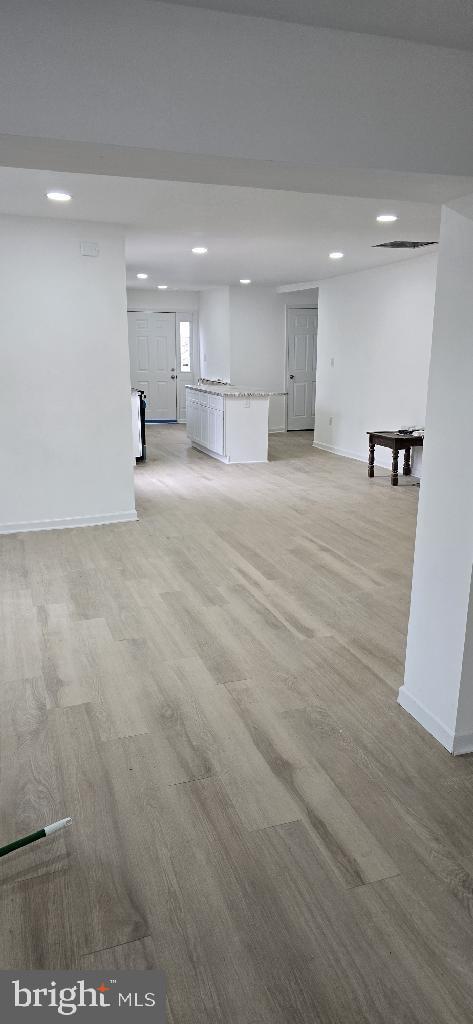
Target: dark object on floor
x: 142, y: 457
x: 402, y: 245
x: 397, y: 442
x: 34, y: 836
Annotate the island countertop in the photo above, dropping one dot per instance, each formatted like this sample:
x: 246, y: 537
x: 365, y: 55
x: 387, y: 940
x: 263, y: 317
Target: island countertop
x: 228, y: 391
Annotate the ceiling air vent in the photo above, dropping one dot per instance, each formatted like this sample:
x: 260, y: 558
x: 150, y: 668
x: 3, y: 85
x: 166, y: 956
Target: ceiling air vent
x: 402, y: 245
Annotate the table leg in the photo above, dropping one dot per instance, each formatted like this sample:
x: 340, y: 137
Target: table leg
x: 371, y: 459
x: 394, y: 471
x: 406, y: 469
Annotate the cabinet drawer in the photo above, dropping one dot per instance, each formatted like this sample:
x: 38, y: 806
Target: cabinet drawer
x: 216, y: 402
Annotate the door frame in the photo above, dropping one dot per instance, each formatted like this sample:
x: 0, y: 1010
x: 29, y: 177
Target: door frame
x: 286, y: 354
x: 160, y: 312
x: 193, y: 316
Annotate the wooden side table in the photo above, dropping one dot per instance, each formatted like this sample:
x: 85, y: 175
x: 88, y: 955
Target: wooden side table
x: 397, y: 442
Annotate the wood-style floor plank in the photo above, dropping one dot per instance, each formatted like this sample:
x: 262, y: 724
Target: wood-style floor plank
x: 138, y: 955
x: 210, y: 693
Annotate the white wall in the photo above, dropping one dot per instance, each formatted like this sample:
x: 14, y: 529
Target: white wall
x: 377, y: 327
x: 258, y: 342
x: 438, y: 687
x: 243, y: 339
x: 65, y: 417
x: 170, y: 301
x: 214, y: 326
x: 145, y: 75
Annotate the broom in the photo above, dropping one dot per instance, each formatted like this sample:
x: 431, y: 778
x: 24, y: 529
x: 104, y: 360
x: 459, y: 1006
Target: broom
x: 34, y: 836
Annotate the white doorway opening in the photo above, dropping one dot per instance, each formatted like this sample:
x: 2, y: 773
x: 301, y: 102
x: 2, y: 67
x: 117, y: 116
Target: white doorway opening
x: 162, y: 361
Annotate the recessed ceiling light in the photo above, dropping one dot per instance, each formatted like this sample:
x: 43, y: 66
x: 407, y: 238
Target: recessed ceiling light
x: 142, y: 277
x: 199, y: 250
x: 245, y: 280
x: 336, y: 255
x: 386, y: 218
x: 162, y: 287
x: 59, y: 197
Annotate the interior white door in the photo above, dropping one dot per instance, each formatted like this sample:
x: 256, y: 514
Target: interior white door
x: 152, y: 341
x: 301, y: 368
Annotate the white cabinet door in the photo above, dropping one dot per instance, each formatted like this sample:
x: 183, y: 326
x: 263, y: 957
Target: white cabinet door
x: 199, y: 431
x: 205, y: 426
x: 218, y: 445
x: 205, y: 421
x: 190, y: 414
x: 212, y: 429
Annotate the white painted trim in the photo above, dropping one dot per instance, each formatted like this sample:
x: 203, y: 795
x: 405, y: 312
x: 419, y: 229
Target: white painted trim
x: 303, y: 286
x: 226, y: 458
x: 382, y: 461
x: 70, y: 523
x: 207, y: 451
x: 463, y: 744
x: 440, y: 732
x: 278, y: 430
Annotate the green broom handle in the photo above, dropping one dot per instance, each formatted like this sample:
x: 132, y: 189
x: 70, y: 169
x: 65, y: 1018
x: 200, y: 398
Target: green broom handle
x: 34, y: 836
x: 22, y: 842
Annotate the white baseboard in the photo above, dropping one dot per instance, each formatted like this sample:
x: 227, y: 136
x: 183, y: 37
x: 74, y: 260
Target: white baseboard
x: 463, y: 744
x: 69, y: 523
x: 277, y: 430
x: 207, y: 451
x: 381, y: 460
x: 455, y: 744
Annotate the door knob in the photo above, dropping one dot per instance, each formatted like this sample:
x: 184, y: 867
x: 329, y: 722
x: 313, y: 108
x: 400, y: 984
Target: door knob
x: 173, y: 376
x: 291, y: 376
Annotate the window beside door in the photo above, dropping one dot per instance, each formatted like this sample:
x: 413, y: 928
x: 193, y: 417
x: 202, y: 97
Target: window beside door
x: 185, y: 328
x: 187, y: 358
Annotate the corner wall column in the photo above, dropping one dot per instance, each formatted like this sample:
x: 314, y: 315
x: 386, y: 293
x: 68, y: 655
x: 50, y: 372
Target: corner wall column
x: 438, y: 682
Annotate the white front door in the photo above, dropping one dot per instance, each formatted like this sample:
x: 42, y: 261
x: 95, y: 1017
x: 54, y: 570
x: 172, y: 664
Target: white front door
x: 301, y: 367
x: 152, y: 341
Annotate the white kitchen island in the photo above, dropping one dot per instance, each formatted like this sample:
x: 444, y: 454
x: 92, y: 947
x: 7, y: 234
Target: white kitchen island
x: 228, y: 423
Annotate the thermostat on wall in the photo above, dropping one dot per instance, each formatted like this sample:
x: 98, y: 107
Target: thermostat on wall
x: 89, y: 249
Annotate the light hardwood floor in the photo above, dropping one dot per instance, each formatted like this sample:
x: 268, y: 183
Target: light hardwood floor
x: 211, y: 694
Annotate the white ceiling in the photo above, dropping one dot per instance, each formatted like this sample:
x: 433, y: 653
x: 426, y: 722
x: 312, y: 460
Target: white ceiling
x: 273, y: 237
x: 441, y: 22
